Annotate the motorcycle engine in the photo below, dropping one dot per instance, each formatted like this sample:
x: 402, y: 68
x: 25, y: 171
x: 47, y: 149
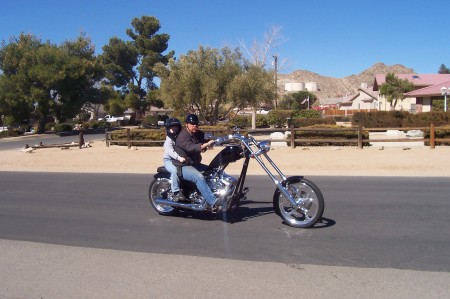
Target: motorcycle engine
x: 221, y: 184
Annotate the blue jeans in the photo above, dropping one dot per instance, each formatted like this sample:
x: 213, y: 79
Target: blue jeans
x: 173, y: 175
x: 192, y: 173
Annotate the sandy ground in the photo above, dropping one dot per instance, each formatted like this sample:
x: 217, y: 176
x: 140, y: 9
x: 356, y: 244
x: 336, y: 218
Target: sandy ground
x: 348, y: 161
x: 52, y: 271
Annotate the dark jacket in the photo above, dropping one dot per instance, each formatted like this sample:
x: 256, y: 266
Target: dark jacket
x: 188, y: 145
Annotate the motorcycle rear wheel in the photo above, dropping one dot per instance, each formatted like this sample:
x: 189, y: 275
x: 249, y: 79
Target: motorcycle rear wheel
x: 159, y: 189
x: 310, y: 203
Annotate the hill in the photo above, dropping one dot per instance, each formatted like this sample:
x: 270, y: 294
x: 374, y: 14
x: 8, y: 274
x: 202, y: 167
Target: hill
x: 337, y: 87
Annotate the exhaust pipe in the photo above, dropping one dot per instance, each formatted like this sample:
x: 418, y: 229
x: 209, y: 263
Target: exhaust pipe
x: 189, y: 206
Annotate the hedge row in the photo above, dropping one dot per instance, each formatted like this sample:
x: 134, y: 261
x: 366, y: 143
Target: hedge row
x: 10, y: 133
x: 399, y: 119
x: 282, y: 118
x: 150, y: 135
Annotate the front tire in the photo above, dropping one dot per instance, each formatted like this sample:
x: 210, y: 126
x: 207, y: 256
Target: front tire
x: 310, y: 203
x: 159, y: 189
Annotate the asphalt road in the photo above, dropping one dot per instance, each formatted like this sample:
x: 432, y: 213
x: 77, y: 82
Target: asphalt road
x: 370, y: 222
x: 19, y: 142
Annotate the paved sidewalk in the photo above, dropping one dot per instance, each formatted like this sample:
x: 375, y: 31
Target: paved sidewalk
x: 35, y: 270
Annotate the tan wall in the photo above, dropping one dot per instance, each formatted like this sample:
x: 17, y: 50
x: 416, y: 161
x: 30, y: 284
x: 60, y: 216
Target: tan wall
x: 405, y: 105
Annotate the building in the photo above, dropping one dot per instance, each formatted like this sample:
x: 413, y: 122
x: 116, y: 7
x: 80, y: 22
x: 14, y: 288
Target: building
x: 366, y: 99
x: 427, y: 87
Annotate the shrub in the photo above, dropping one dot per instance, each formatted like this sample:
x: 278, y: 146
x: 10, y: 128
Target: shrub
x: 95, y: 124
x: 261, y: 121
x: 49, y: 127
x: 378, y: 119
x: 10, y: 133
x: 278, y: 118
x: 307, y: 114
x: 241, y: 121
x: 62, y: 127
x: 439, y: 118
x: 398, y: 119
x: 150, y: 120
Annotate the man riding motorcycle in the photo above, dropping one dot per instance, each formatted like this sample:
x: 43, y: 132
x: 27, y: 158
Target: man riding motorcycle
x: 190, y: 143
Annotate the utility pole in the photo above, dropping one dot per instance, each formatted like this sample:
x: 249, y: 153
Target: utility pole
x: 275, y: 57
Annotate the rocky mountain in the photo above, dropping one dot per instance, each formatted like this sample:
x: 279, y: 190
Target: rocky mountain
x: 329, y: 87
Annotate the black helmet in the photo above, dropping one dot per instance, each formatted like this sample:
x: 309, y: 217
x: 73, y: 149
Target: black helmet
x: 173, y: 122
x: 192, y: 119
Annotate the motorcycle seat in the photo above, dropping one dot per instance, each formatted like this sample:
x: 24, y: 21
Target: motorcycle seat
x: 162, y: 169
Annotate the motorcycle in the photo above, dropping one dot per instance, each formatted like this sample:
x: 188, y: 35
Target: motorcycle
x: 298, y: 201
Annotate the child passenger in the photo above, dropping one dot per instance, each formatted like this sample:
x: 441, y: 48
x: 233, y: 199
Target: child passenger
x: 173, y: 127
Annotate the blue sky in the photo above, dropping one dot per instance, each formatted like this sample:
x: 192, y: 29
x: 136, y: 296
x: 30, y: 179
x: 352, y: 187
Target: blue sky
x: 331, y: 38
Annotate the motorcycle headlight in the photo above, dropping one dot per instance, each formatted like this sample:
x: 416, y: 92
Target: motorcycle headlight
x: 264, y: 146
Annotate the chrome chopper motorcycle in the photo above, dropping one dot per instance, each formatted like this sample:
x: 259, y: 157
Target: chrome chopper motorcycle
x: 298, y: 201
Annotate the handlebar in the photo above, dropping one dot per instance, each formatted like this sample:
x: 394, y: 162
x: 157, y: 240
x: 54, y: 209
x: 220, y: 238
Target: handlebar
x: 230, y: 138
x: 248, y: 142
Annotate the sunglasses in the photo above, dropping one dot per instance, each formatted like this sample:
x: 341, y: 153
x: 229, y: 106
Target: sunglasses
x: 193, y: 124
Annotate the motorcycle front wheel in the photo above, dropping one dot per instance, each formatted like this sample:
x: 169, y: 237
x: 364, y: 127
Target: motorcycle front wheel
x: 159, y: 189
x: 310, y: 203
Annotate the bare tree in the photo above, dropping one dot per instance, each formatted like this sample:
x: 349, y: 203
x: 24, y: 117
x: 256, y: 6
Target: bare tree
x: 259, y: 53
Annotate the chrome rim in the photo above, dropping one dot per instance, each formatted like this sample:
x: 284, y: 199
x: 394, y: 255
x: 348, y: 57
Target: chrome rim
x: 307, y: 204
x: 159, y: 190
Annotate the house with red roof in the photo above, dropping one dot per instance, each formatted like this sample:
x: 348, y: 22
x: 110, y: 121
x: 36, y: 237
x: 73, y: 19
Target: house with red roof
x: 427, y: 87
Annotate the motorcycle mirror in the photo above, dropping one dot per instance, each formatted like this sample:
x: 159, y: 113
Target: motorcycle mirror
x: 209, y: 135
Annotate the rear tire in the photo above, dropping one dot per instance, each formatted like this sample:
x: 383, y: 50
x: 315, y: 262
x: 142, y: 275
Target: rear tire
x: 310, y: 203
x: 159, y: 189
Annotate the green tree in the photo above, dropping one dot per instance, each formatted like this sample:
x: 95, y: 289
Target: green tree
x: 82, y: 73
x: 253, y: 87
x: 113, y: 100
x: 115, y: 106
x: 199, y: 82
x: 394, y: 89
x: 130, y: 65
x: 98, y: 98
x: 443, y: 69
x: 46, y: 80
x: 16, y: 59
x: 297, y: 100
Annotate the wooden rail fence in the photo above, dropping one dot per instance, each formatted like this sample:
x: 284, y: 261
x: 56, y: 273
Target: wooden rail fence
x: 60, y: 145
x: 358, y: 141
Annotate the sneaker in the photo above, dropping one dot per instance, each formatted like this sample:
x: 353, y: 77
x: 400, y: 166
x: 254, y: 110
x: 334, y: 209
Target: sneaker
x: 178, y: 196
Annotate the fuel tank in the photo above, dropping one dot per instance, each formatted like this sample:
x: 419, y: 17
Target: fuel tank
x: 231, y: 153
